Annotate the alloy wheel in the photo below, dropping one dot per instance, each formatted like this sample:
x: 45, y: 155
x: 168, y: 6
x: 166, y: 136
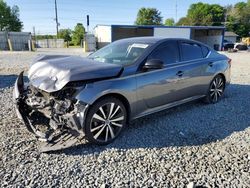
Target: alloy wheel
x: 216, y: 89
x: 107, y: 122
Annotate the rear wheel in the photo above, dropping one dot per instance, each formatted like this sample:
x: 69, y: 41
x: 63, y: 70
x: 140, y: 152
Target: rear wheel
x: 216, y: 90
x: 105, y: 121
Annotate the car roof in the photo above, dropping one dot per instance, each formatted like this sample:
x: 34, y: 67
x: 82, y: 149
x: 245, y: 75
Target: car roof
x: 144, y: 39
x: 154, y: 39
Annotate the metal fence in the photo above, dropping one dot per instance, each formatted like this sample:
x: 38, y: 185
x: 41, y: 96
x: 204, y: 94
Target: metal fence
x: 18, y: 41
x: 50, y: 43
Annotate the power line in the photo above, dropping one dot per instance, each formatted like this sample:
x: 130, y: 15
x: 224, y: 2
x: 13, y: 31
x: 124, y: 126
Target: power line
x: 176, y: 11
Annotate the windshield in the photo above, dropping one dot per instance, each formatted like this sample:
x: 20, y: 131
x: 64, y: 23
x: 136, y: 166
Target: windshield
x: 120, y: 52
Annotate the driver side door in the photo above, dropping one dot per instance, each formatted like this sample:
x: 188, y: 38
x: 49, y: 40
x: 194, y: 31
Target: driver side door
x: 158, y: 87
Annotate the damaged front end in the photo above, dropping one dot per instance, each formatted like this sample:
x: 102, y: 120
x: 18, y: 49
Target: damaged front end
x: 56, y: 118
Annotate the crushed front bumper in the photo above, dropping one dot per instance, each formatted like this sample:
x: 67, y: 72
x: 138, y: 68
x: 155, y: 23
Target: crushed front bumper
x: 57, y: 140
x: 18, y: 101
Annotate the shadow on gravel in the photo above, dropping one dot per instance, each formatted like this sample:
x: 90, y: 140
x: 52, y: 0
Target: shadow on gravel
x: 192, y: 124
x: 8, y: 80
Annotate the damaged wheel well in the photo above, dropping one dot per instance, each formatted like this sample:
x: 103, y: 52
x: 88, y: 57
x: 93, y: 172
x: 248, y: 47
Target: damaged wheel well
x: 119, y: 97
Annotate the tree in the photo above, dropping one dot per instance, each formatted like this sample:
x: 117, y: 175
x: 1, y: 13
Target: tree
x: 78, y: 34
x: 148, y: 16
x: 238, y: 17
x: 183, y: 22
x: 41, y: 37
x: 169, y: 22
x: 9, y: 18
x: 206, y: 14
x: 218, y: 14
x: 65, y: 34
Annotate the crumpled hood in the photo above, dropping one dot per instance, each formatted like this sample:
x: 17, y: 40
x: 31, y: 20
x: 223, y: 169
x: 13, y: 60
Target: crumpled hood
x: 52, y: 72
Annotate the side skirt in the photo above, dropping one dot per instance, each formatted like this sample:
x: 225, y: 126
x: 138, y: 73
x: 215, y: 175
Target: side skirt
x: 167, y: 106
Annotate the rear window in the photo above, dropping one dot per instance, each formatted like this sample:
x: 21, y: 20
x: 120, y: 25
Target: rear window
x: 191, y: 51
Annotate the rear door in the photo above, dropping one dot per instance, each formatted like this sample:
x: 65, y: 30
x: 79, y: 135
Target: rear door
x: 194, y: 65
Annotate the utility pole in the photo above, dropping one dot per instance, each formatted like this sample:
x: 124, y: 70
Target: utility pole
x: 34, y: 34
x: 225, y: 21
x: 87, y: 23
x: 56, y: 19
x: 176, y: 6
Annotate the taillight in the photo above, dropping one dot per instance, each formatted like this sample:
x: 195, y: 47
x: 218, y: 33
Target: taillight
x: 229, y: 61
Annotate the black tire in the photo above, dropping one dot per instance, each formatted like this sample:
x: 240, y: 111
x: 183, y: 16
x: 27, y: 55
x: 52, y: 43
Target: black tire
x: 242, y: 47
x: 102, y: 126
x: 216, y: 90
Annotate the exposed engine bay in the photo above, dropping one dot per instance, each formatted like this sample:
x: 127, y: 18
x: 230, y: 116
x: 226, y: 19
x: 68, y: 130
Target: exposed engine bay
x: 55, y: 118
x: 47, y: 104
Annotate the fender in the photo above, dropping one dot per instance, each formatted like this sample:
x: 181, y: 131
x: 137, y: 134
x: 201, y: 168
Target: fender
x: 125, y: 86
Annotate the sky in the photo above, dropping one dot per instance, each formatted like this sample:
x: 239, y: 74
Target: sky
x: 41, y: 13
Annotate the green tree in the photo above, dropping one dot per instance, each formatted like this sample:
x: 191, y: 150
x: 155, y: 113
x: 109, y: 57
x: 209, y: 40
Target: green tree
x: 169, y: 22
x: 9, y: 18
x: 184, y: 21
x: 238, y: 18
x: 148, y: 16
x: 218, y: 14
x: 78, y: 34
x: 65, y: 34
x: 206, y: 14
x: 41, y: 37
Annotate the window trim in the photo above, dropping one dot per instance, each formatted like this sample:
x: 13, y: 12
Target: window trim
x: 162, y: 45
x: 193, y: 43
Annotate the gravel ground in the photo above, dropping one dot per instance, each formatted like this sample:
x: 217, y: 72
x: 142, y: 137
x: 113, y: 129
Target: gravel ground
x: 194, y: 145
x: 14, y: 62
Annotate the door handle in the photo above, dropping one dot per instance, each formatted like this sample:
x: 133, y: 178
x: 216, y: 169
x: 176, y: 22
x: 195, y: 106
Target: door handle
x: 179, y: 73
x: 210, y: 64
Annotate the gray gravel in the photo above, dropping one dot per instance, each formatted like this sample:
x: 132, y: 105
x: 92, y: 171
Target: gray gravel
x: 14, y: 62
x: 194, y: 145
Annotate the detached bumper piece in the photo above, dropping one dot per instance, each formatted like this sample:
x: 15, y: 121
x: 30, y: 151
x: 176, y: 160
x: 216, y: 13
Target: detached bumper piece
x: 61, y: 141
x: 51, y: 137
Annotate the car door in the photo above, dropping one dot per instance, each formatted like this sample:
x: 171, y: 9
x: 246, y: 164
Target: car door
x: 194, y: 65
x: 161, y: 86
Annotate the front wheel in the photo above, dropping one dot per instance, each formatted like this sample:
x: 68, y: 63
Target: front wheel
x: 105, y: 121
x: 216, y: 90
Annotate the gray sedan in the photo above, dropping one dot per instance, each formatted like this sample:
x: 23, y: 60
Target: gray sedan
x: 68, y: 97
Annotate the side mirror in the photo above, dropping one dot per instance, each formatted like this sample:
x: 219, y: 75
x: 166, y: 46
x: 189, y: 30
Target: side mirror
x: 153, y: 64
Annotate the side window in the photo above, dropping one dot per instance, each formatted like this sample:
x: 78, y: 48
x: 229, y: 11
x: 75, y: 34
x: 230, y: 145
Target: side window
x: 167, y: 52
x: 205, y: 50
x: 191, y: 51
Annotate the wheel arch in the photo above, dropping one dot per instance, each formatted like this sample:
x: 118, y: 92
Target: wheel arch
x: 120, y: 97
x: 223, y: 77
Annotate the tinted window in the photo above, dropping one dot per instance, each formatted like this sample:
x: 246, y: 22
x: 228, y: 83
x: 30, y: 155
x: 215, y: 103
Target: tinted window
x: 167, y: 52
x: 205, y: 50
x: 191, y: 51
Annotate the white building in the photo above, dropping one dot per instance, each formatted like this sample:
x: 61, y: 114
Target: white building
x: 231, y: 36
x: 210, y: 35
